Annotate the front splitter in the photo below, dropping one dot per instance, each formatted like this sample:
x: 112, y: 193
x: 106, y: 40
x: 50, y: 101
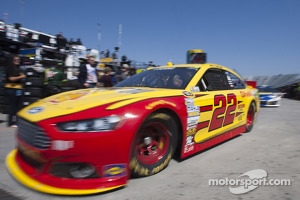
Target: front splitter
x: 26, y: 180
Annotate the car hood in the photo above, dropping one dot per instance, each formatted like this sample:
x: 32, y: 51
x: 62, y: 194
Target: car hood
x: 78, y: 100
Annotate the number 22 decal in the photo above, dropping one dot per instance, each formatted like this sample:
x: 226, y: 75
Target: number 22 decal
x: 218, y: 118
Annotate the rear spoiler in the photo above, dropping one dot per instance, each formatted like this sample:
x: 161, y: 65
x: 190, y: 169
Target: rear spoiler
x: 251, y: 83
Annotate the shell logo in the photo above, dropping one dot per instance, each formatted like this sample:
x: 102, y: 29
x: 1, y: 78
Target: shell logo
x: 68, y: 97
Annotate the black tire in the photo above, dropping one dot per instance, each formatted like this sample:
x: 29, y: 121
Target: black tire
x: 250, y: 118
x: 34, y: 82
x: 33, y: 92
x: 2, y: 92
x: 29, y: 100
x: 4, y: 100
x: 154, y: 145
x: 32, y: 73
x: 3, y: 108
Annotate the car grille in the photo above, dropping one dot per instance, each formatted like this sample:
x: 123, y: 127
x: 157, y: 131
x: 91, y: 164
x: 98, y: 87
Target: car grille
x: 263, y: 102
x: 33, y: 135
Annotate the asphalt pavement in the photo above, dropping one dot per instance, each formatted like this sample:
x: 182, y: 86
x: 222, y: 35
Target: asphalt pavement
x: 271, y: 147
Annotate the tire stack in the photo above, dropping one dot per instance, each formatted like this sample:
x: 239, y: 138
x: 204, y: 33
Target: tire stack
x: 33, y: 86
x: 3, y: 99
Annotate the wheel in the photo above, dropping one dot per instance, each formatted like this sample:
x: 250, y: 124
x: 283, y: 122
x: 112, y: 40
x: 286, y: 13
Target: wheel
x: 250, y: 117
x: 154, y: 145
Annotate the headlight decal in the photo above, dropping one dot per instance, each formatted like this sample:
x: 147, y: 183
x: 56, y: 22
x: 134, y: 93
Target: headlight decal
x: 91, y: 125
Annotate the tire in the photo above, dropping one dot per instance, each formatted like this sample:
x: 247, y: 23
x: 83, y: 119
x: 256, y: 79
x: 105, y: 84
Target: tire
x: 250, y: 118
x: 2, y: 92
x: 34, y: 82
x: 153, y: 146
x: 4, y: 100
x: 32, y: 73
x: 4, y: 103
x: 3, y: 109
x: 29, y: 100
x: 33, y: 92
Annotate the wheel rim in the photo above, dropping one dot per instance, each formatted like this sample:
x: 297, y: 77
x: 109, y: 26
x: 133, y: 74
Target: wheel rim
x: 250, y: 116
x: 152, y: 143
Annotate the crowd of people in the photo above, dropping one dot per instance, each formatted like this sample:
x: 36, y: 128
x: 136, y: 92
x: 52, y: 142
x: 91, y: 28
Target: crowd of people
x: 88, y: 76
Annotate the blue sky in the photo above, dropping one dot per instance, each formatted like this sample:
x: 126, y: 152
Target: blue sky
x: 257, y: 37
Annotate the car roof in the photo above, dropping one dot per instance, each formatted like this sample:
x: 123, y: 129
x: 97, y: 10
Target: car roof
x: 205, y: 65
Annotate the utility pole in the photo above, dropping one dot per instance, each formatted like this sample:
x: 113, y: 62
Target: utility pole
x: 99, y: 38
x: 120, y: 36
x: 5, y: 16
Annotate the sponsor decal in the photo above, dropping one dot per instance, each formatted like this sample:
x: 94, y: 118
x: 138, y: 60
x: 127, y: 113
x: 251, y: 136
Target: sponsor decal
x: 188, y: 94
x: 114, y: 170
x: 67, y: 97
x: 246, y: 94
x: 62, y: 145
x: 240, y: 106
x: 191, y: 131
x: 189, y: 144
x: 193, y: 113
x: 195, y: 89
x: 35, y: 110
x: 160, y: 102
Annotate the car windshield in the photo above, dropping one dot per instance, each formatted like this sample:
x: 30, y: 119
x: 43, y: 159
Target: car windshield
x: 168, y: 77
x: 266, y: 89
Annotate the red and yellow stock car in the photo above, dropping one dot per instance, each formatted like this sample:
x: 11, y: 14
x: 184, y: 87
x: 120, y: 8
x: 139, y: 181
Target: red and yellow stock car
x: 93, y: 140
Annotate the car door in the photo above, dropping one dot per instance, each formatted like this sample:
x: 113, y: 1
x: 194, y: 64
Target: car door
x: 219, y: 105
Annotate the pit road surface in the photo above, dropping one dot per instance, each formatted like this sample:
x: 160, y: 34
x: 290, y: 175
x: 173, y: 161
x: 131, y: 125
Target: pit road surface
x: 273, y: 145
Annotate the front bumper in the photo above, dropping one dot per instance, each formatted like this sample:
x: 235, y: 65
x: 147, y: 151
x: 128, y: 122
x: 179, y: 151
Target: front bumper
x: 274, y: 103
x: 20, y: 175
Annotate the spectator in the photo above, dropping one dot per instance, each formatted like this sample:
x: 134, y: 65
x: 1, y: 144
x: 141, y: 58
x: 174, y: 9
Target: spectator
x: 13, y: 89
x: 88, y: 76
x: 106, y: 79
x: 122, y: 73
x: 125, y: 72
x: 53, y: 80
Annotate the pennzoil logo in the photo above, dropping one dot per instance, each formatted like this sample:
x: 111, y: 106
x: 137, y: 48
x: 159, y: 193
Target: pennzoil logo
x: 114, y: 170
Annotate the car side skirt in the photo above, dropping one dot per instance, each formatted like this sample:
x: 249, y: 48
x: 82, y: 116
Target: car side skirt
x: 198, y: 147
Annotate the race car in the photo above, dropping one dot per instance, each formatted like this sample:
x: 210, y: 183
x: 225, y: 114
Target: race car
x: 94, y: 140
x: 269, y: 97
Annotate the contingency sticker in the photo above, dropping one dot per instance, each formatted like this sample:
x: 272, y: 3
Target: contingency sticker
x: 193, y: 113
x: 114, y: 170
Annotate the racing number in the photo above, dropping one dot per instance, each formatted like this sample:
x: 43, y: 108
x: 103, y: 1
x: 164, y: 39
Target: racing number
x: 218, y: 119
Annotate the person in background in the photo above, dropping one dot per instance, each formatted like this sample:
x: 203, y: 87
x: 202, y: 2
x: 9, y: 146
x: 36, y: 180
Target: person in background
x: 54, y: 77
x: 88, y: 76
x: 13, y: 89
x: 106, y: 79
